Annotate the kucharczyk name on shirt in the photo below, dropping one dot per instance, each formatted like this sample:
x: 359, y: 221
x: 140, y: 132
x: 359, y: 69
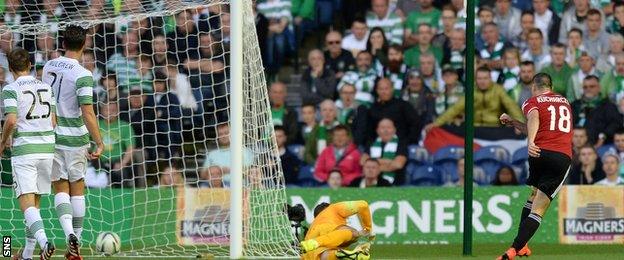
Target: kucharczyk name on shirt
x: 549, y: 99
x: 61, y: 64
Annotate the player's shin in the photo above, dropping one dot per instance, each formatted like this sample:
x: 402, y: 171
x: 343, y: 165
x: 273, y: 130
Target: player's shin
x: 35, y: 224
x: 78, y: 207
x: 64, y: 212
x: 29, y: 246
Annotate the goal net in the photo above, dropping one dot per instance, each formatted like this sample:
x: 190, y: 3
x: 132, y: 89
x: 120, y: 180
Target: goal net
x: 161, y: 73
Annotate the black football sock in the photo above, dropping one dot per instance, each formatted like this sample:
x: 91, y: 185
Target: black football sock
x: 527, y: 229
x: 526, y: 210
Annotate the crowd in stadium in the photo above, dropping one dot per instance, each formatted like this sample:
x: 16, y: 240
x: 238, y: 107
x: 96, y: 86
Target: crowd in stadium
x: 382, y: 76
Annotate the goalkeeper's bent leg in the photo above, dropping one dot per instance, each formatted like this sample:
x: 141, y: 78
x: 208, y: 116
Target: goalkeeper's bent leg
x: 340, y: 236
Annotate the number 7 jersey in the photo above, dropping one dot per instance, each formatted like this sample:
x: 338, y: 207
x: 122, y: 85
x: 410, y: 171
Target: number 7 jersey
x: 32, y: 102
x: 73, y: 86
x: 555, y: 122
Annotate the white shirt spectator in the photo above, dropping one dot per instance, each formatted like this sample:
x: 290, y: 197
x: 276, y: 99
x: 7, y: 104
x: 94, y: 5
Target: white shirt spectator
x: 351, y: 43
x: 607, y: 182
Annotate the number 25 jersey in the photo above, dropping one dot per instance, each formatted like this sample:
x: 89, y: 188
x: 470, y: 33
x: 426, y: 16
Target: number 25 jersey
x: 555, y: 122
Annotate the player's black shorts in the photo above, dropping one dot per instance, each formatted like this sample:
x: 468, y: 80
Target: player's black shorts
x: 548, y: 172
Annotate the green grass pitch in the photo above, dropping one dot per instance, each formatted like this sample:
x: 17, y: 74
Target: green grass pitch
x: 480, y: 251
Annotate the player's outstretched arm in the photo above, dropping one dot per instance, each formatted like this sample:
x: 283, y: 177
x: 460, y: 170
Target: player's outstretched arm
x: 91, y: 123
x: 507, y: 120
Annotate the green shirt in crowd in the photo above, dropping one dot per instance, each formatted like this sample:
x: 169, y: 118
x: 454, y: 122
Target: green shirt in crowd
x: 412, y: 55
x: 559, y: 78
x: 417, y: 17
x: 117, y: 137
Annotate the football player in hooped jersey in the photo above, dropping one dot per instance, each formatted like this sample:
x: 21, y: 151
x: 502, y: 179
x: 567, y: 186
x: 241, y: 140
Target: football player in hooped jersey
x: 549, y: 135
x: 73, y: 88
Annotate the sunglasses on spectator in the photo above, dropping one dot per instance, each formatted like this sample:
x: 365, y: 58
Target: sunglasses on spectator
x: 589, y: 86
x: 348, y: 92
x: 333, y: 42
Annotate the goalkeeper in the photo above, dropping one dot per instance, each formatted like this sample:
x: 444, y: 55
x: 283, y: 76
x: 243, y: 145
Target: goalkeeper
x: 329, y: 236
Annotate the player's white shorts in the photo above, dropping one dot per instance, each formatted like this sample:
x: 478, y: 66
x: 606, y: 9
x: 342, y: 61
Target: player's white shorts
x: 69, y: 164
x: 31, y: 175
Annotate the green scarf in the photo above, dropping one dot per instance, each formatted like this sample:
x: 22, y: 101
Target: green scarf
x: 457, y: 60
x: 496, y: 54
x: 344, y: 114
x: 619, y: 84
x: 388, y: 151
x: 397, y: 79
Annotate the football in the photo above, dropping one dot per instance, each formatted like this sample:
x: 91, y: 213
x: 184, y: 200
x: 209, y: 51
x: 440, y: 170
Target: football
x: 108, y: 243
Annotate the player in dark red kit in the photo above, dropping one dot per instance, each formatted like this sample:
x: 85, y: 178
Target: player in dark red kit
x: 549, y: 136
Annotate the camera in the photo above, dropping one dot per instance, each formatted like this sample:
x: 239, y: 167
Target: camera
x: 297, y: 215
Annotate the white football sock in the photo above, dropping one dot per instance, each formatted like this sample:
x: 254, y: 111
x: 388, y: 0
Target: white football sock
x: 78, y: 206
x: 35, y: 224
x: 64, y: 212
x: 29, y: 247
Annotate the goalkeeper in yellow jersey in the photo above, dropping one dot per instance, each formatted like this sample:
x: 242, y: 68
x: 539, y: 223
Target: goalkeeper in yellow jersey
x: 329, y: 236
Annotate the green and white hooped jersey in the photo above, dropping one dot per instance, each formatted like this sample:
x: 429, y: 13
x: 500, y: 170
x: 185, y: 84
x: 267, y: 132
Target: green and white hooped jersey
x: 73, y: 86
x: 32, y: 101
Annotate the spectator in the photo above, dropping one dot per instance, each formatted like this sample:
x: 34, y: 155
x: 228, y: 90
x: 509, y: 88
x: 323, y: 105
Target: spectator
x: 283, y: 115
x: 168, y: 117
x: 304, y: 13
x: 6, y: 44
x: 88, y: 62
x: 442, y: 38
x: 507, y: 18
x: 395, y: 69
x: 461, y: 12
x: 206, y: 67
x: 505, y: 176
x: 460, y: 174
x: 574, y: 17
x: 596, y: 38
x: 371, y: 175
x: 215, y: 172
x: 579, y: 139
x: 558, y: 69
x: 617, y: 23
x: 612, y: 83
x: 377, y: 45
x: 290, y: 162
x: 486, y: 113
x: 425, y: 36
x: 2, y: 77
x: 547, y: 21
x: 341, y: 154
x: 171, y: 176
x: 404, y: 7
x: 46, y: 48
x: 427, y: 14
x: 491, y: 54
x: 308, y: 116
x: 527, y: 22
x: 586, y: 67
x: 338, y: 59
x: 334, y: 181
x: 317, y: 83
x: 363, y: 78
x: 397, y: 110
x: 486, y: 15
x: 390, y: 151
x: 457, y: 55
x: 618, y: 142
x: 347, y: 105
x: 421, y: 98
x: 160, y: 55
x: 125, y: 63
x: 511, y: 69
x: 453, y: 92
x: 141, y: 116
x: 522, y: 91
x: 588, y: 170
x: 598, y: 115
x: 262, y: 30
x: 320, y: 134
x: 611, y: 166
x: 537, y: 52
x: 575, y: 46
x: 430, y: 73
x: 118, y: 139
x: 390, y: 23
x: 107, y: 88
x: 356, y: 41
x: 280, y: 35
x: 616, y: 47
x: 184, y: 41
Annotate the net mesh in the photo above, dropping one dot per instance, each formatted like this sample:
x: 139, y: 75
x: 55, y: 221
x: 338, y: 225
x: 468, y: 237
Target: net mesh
x: 161, y: 71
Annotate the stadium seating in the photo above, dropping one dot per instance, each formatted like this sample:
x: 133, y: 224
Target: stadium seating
x: 418, y: 155
x: 423, y: 175
x: 445, y: 160
x: 490, y: 159
x: 306, y: 177
x: 519, y: 163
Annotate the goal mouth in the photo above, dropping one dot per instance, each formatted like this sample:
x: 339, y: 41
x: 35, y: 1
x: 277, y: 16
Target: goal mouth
x: 163, y: 96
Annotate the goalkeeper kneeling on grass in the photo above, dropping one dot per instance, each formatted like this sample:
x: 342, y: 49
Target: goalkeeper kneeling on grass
x: 329, y: 236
